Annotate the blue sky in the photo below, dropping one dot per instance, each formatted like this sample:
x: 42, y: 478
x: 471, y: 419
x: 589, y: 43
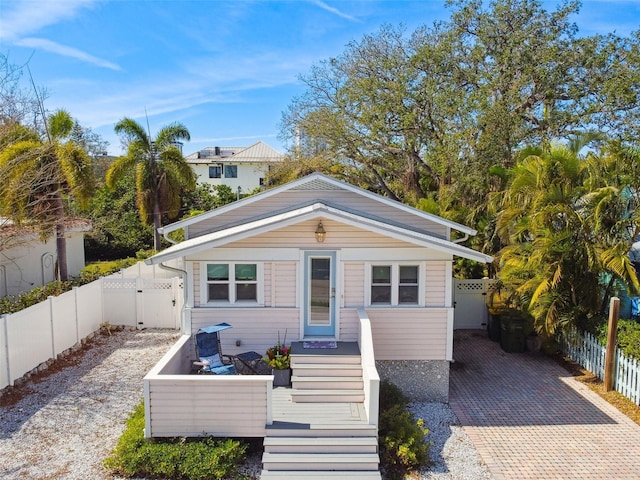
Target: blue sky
x: 225, y: 69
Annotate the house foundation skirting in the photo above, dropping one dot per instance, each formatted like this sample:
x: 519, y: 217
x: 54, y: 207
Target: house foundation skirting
x: 420, y: 380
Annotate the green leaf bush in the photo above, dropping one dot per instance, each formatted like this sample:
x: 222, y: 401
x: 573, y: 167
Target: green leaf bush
x: 628, y: 338
x: 204, y: 458
x: 401, y: 438
x: 15, y: 303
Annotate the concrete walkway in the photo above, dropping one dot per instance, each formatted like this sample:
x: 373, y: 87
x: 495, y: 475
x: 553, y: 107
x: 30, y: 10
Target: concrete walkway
x: 529, y: 419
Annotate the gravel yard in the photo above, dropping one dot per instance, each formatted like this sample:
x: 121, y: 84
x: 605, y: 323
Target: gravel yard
x: 61, y: 423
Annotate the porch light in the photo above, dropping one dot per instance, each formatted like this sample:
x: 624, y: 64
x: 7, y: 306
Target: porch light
x: 320, y: 233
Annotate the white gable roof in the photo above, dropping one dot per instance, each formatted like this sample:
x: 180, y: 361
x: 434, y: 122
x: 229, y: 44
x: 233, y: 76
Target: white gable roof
x: 317, y: 210
x: 318, y: 181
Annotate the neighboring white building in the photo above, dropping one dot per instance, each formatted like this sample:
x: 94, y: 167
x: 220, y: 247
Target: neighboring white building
x: 27, y: 262
x: 237, y: 167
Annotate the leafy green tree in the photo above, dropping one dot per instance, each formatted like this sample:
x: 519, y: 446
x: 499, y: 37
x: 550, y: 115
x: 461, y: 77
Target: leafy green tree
x: 39, y: 174
x: 118, y: 231
x: 162, y: 173
x: 439, y: 114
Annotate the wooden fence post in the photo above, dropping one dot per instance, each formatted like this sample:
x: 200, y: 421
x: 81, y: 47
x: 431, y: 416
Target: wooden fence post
x: 612, y: 335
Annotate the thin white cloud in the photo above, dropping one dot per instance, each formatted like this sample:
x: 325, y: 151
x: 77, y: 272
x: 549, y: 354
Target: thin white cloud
x: 23, y: 18
x: 58, y: 49
x: 334, y: 10
x: 26, y: 17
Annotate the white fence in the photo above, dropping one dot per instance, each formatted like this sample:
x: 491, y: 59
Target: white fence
x: 584, y: 349
x: 40, y: 333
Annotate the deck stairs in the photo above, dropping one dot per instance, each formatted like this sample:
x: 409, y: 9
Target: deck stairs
x: 318, y: 377
x: 320, y: 428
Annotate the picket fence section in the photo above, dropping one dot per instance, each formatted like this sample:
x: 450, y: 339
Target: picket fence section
x: 32, y: 337
x: 584, y: 349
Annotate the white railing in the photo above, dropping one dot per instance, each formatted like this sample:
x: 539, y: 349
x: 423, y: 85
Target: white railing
x: 584, y: 349
x: 370, y: 376
x: 178, y: 404
x: 32, y: 337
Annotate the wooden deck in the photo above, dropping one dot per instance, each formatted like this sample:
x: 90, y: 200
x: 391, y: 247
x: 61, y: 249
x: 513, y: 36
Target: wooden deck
x: 342, y: 348
x: 308, y: 415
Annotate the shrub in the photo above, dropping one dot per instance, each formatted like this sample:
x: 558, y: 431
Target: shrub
x: 190, y: 459
x: 628, y: 333
x: 402, y: 441
x: 391, y: 395
x: 15, y: 303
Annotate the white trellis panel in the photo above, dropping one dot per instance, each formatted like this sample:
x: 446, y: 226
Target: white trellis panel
x: 470, y: 303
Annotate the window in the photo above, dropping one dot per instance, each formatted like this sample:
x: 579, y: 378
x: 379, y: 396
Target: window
x: 381, y: 284
x: 215, y: 171
x: 231, y: 282
x: 230, y: 171
x: 395, y: 284
x: 408, y: 284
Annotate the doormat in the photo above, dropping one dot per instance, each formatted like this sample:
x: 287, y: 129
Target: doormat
x: 320, y: 344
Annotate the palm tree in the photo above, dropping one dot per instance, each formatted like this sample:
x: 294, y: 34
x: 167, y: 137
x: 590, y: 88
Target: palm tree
x: 549, y: 263
x: 39, y: 173
x: 611, y: 207
x: 567, y: 220
x: 161, y: 171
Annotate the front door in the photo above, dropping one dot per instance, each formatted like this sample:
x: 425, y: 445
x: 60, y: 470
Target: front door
x: 320, y: 294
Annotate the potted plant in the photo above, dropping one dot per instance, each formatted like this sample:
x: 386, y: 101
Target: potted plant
x: 278, y: 359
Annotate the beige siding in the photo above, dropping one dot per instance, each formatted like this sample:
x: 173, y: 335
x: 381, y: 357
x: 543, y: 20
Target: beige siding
x: 349, y: 325
x: 256, y: 328
x: 409, y: 333
x: 196, y: 284
x: 302, y: 236
x: 285, y: 281
x: 353, y: 284
x: 269, y: 285
x: 435, y: 284
x: 188, y: 405
x: 284, y: 200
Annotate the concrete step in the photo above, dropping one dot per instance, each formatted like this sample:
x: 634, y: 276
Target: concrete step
x: 303, y: 475
x: 297, y: 359
x: 320, y: 461
x: 327, y: 369
x: 321, y: 444
x: 325, y: 383
x: 327, y: 396
x: 286, y: 429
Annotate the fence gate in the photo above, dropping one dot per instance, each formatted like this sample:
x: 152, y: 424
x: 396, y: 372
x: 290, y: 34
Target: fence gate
x: 142, y: 302
x: 160, y: 303
x: 470, y: 303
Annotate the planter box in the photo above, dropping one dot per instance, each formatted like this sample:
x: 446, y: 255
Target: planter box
x: 281, y: 378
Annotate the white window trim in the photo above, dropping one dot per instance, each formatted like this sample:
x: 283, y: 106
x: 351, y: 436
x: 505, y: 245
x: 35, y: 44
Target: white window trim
x: 204, y: 291
x: 395, y: 284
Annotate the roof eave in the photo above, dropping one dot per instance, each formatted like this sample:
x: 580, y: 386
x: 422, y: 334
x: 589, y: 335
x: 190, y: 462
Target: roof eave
x: 313, y: 211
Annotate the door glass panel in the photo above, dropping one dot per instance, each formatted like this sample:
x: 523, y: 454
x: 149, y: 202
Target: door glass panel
x: 320, y: 298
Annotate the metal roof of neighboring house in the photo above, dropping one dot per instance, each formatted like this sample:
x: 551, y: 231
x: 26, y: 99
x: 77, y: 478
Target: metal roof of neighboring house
x: 259, y: 152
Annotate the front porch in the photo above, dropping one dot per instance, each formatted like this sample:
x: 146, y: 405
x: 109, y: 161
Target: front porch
x: 327, y: 421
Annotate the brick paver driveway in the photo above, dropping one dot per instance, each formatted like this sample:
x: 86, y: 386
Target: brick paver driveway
x: 529, y: 419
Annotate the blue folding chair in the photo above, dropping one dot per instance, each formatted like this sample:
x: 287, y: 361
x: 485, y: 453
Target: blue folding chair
x: 209, y: 352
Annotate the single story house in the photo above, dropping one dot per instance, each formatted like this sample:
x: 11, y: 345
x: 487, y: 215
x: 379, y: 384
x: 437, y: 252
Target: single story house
x: 329, y: 265
x: 243, y: 169
x: 27, y: 262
